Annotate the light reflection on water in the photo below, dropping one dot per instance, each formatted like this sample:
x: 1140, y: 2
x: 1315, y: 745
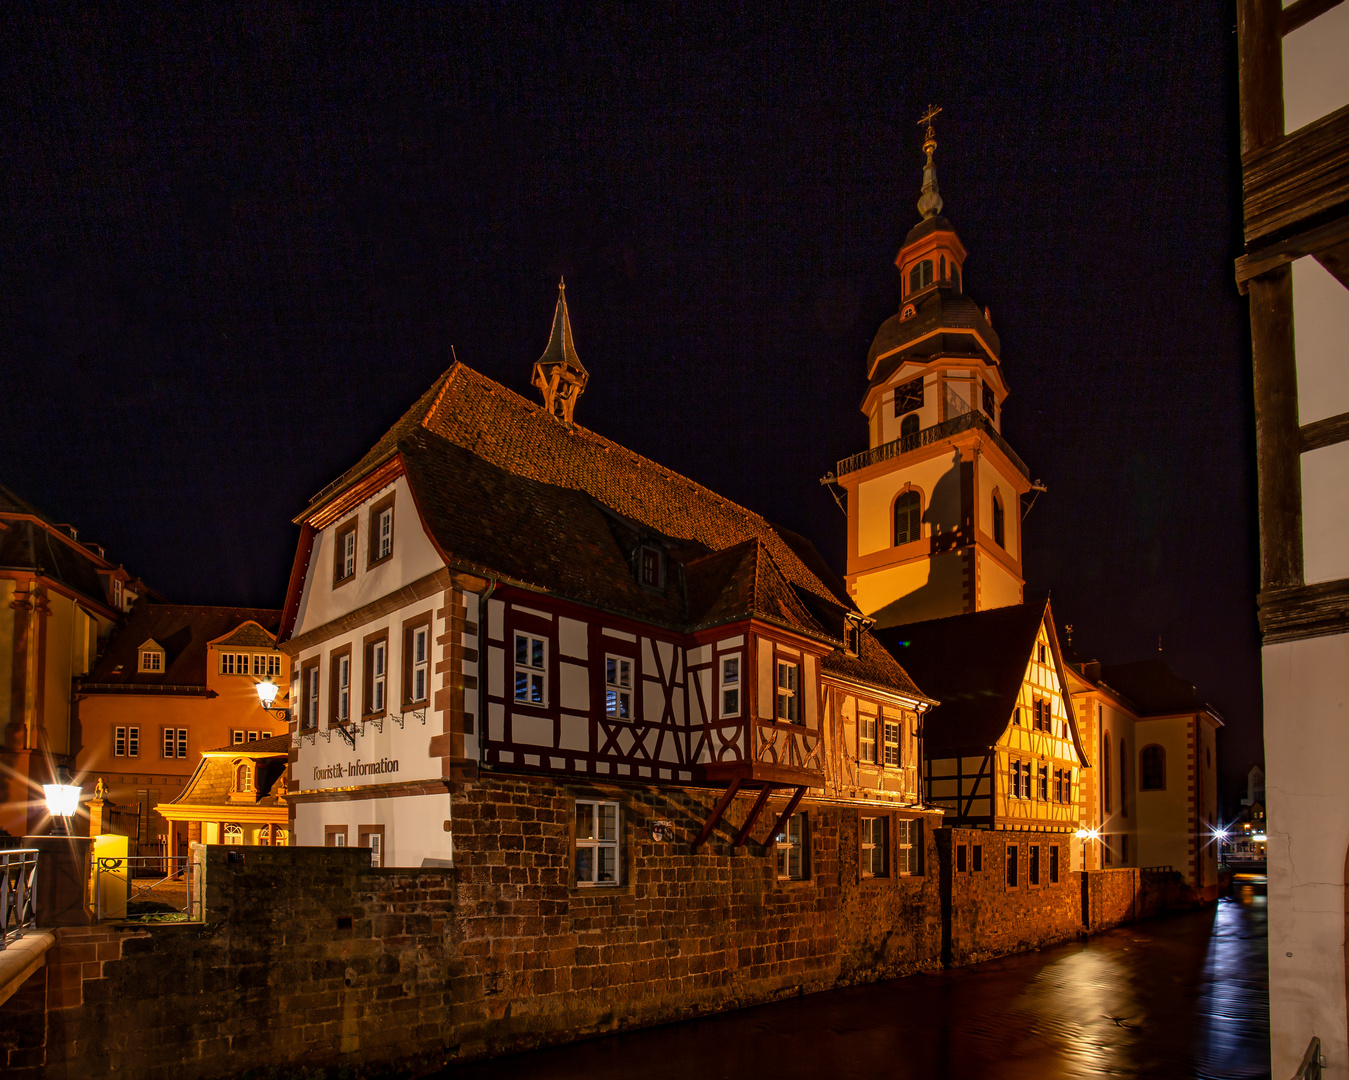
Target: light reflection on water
x: 1185, y: 996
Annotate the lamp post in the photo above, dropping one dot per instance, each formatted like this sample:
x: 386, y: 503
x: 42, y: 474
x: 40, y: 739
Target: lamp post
x: 63, y: 799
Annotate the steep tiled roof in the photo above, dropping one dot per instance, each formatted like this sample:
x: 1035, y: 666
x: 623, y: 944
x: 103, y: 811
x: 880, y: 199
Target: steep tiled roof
x: 249, y: 636
x: 277, y: 744
x: 1153, y: 687
x: 211, y: 783
x: 508, y: 489
x: 27, y: 545
x: 974, y: 665
x: 183, y: 631
x: 942, y: 308
x: 873, y: 665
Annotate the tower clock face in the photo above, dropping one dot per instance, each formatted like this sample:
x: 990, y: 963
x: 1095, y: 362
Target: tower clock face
x: 909, y: 396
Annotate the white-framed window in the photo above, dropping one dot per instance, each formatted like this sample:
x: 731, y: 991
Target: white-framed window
x: 866, y: 738
x: 236, y: 737
x: 909, y: 846
x: 531, y: 678
x: 267, y: 664
x: 243, y: 777
x: 253, y: 736
x: 788, y: 680
x: 384, y: 533
x: 341, y: 689
x: 618, y: 687
x: 379, y: 664
x: 596, y: 842
x: 126, y: 741
x: 232, y: 834
x: 875, y: 843
x: 117, y: 594
x: 175, y: 742
x: 309, y: 680
x: 152, y: 660
x: 892, y: 730
x: 348, y: 542
x: 421, y: 663
x: 791, y: 849
x: 730, y: 685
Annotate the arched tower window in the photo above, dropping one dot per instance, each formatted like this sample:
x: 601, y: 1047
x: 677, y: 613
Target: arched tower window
x: 955, y: 277
x: 908, y: 426
x: 920, y: 276
x: 943, y: 268
x: 908, y: 515
x: 999, y: 536
x: 1152, y: 768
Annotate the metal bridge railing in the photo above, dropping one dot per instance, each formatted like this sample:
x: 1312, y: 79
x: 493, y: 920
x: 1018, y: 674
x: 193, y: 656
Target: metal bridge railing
x: 1312, y: 1062
x: 18, y: 893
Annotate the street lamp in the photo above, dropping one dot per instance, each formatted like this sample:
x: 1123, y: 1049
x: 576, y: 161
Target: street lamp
x: 267, y: 691
x: 63, y: 799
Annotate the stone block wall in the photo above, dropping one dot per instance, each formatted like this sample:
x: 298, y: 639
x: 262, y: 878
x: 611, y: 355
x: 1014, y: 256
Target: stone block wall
x: 988, y: 915
x: 310, y: 958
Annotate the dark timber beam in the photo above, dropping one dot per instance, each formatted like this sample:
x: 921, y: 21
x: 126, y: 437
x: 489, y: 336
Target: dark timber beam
x: 759, y: 803
x: 792, y: 804
x: 717, y: 813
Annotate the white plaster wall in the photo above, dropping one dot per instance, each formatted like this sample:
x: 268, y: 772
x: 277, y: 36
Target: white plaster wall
x: 876, y: 498
x: 414, y: 556
x: 933, y: 588
x: 990, y: 478
x: 1163, y: 825
x: 1321, y: 337
x: 1307, y: 801
x: 997, y: 588
x: 1316, y: 69
x: 414, y: 826
x: 886, y: 427
x: 408, y: 745
x: 1325, y: 513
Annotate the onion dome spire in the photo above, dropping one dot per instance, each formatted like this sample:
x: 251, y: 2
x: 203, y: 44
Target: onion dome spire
x: 929, y: 203
x: 559, y: 373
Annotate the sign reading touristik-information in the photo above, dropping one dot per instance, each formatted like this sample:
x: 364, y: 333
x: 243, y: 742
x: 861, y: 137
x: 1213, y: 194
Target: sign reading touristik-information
x: 354, y: 769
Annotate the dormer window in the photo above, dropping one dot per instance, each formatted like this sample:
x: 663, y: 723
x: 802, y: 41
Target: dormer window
x: 908, y: 313
x: 852, y: 635
x: 243, y: 777
x: 150, y: 658
x: 117, y: 594
x: 920, y: 276
x: 651, y: 568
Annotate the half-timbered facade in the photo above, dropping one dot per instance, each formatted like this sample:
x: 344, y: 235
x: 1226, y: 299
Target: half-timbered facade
x: 1004, y: 750
x: 495, y: 589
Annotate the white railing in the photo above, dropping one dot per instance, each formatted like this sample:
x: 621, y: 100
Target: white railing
x: 152, y: 887
x: 18, y: 892
x: 1312, y: 1062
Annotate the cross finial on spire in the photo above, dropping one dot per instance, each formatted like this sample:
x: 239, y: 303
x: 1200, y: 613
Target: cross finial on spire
x: 929, y: 203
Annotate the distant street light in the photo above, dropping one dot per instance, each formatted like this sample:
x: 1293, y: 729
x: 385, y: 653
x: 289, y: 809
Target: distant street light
x: 63, y: 799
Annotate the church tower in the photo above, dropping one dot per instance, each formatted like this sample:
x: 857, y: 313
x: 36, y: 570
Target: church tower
x: 934, y: 522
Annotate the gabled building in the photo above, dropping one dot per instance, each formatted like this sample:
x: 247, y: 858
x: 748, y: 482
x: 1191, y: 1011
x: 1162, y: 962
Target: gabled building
x: 236, y: 795
x: 1153, y: 798
x: 60, y: 599
x: 496, y: 591
x: 173, y: 681
x: 1003, y: 751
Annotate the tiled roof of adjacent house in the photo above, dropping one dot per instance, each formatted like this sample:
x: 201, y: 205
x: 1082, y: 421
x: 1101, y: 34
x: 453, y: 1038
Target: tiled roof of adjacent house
x: 183, y: 630
x: 276, y: 744
x: 213, y: 780
x: 974, y: 665
x: 510, y: 490
x: 1153, y: 688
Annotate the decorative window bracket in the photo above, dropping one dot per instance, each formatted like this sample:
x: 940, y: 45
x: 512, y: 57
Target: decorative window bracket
x: 416, y: 714
x: 349, y: 735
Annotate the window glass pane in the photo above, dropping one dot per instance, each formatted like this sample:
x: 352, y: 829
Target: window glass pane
x: 730, y: 669
x: 536, y: 656
x: 607, y: 860
x: 610, y: 670
x: 608, y: 815
x: 730, y: 701
x: 585, y: 821
x: 521, y: 650
x: 521, y: 686
x: 536, y: 689
x: 585, y: 864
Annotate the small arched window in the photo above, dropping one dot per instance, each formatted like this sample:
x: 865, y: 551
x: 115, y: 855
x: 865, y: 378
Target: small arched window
x: 1152, y: 768
x: 999, y: 523
x: 908, y: 514
x: 920, y: 276
x: 908, y: 426
x: 943, y: 268
x: 233, y: 834
x: 243, y: 777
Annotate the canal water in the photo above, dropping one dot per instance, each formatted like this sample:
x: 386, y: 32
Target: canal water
x: 1184, y: 996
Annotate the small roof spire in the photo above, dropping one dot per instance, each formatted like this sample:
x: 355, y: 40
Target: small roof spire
x: 929, y: 203
x: 559, y: 373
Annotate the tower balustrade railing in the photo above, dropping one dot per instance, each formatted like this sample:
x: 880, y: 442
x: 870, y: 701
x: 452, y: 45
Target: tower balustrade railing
x: 964, y: 422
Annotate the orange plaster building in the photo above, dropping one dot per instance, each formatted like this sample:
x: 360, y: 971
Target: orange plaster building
x: 174, y: 682
x: 237, y: 795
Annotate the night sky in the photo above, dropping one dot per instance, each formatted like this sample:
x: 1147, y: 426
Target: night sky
x: 235, y: 247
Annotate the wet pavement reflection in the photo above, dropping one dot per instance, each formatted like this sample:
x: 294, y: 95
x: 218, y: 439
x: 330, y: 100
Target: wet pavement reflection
x: 1185, y: 996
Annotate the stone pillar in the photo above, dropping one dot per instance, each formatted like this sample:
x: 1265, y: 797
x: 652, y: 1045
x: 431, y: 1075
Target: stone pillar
x: 62, y: 879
